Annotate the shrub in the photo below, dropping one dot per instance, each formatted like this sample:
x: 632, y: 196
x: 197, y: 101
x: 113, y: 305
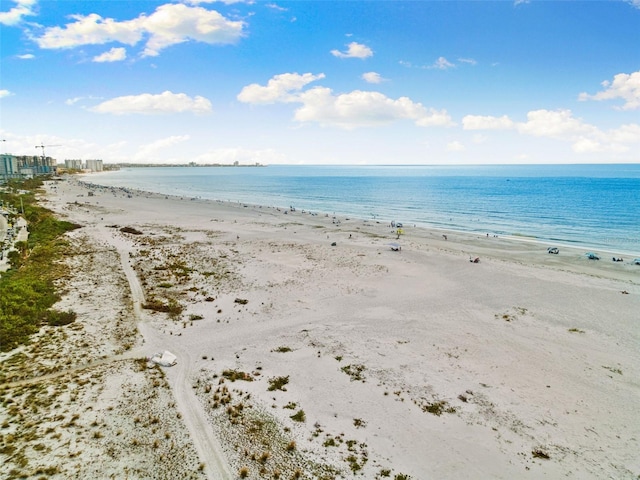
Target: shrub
x: 538, y: 453
x: 278, y: 383
x: 28, y: 291
x: 282, y: 349
x: 299, y: 416
x: 56, y: 318
x: 130, y: 230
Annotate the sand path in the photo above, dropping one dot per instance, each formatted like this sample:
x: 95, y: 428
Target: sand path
x: 206, y: 443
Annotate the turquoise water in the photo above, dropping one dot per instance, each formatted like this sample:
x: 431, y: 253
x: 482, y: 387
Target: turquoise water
x: 595, y: 206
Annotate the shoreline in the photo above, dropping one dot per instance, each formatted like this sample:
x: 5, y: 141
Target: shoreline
x: 574, y: 244
x: 528, y: 245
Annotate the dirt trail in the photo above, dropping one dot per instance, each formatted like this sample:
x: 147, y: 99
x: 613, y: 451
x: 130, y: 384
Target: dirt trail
x: 204, y: 439
x: 137, y: 353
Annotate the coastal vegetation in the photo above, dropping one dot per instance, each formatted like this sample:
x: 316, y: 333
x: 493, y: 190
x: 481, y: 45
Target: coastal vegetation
x: 28, y: 288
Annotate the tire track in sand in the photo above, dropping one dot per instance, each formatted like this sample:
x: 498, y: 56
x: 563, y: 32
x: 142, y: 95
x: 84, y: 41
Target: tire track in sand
x: 193, y: 415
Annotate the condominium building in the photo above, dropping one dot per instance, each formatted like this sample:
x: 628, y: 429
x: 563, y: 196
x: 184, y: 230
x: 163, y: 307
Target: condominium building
x: 73, y: 164
x: 94, y: 165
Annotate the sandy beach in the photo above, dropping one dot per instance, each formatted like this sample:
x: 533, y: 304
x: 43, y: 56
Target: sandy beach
x: 308, y: 348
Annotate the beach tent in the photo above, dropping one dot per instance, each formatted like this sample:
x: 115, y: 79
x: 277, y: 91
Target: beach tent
x: 396, y: 247
x: 636, y: 261
x: 164, y: 359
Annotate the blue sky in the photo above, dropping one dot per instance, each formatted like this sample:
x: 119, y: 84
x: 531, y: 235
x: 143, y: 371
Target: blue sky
x: 322, y: 82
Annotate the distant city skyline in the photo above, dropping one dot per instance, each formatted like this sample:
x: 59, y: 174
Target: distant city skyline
x: 322, y: 82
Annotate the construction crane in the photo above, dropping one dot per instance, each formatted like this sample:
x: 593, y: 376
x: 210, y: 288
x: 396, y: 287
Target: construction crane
x: 42, y: 147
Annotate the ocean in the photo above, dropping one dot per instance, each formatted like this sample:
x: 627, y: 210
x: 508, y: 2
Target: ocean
x: 590, y: 206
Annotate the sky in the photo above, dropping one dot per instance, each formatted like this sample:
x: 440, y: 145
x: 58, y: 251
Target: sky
x: 321, y: 82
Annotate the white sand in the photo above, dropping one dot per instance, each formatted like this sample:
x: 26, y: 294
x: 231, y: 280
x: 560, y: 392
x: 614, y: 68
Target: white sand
x: 527, y: 352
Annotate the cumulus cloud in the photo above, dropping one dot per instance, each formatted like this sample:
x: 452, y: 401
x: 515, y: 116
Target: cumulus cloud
x: 5, y: 93
x: 281, y: 88
x: 348, y: 110
x: 354, y: 50
x: 361, y: 108
x: 113, y: 55
x: 91, y: 30
x: 169, y: 25
x: 555, y: 124
x: 624, y: 86
x: 372, y: 77
x: 14, y: 16
x: 149, y: 104
x: 561, y: 125
x: 626, y: 134
x: 26, y: 56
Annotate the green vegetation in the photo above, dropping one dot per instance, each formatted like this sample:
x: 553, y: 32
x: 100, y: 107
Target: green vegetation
x: 28, y: 290
x: 234, y: 375
x: 438, y: 408
x: 539, y: 453
x: 278, y: 383
x: 355, y: 372
x: 613, y: 369
x: 299, y: 416
x: 283, y: 349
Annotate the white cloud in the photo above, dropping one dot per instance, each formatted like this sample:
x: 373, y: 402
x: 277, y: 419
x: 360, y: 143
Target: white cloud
x: 469, y: 61
x: 14, y: 16
x: 113, y: 55
x: 361, y: 108
x: 561, y: 125
x: 626, y: 134
x: 91, y: 30
x: 278, y: 89
x: 149, y: 104
x: 455, y: 146
x: 73, y: 101
x: 354, y: 50
x: 5, y: 93
x: 150, y: 151
x: 273, y: 6
x: 372, y: 77
x: 479, y: 122
x: 586, y: 145
x: 170, y: 24
x: 26, y: 56
x: 624, y: 86
x: 241, y: 155
x: 634, y: 3
x: 348, y: 110
x: 442, y: 64
x: 555, y: 124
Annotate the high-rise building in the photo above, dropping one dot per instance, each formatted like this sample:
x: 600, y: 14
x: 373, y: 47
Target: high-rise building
x: 73, y: 164
x: 8, y: 167
x: 94, y: 165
